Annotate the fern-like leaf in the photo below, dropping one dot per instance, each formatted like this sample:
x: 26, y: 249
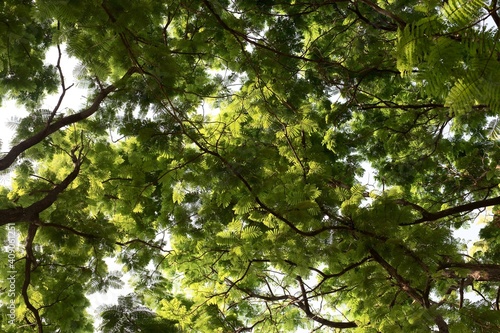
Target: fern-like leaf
x: 463, y: 12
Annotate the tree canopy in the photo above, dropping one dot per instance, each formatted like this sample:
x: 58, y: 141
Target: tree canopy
x: 220, y: 157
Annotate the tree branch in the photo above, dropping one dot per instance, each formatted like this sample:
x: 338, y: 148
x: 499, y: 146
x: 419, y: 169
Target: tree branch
x: 30, y: 260
x: 7, y: 160
x: 385, y: 13
x: 477, y: 272
x: 494, y: 13
x: 92, y: 236
x: 465, y: 208
x: 304, y: 306
x: 401, y: 281
x: 63, y: 85
x: 30, y: 213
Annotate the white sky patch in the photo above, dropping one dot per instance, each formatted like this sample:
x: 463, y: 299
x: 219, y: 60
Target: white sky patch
x: 9, y: 111
x: 100, y: 300
x: 75, y: 97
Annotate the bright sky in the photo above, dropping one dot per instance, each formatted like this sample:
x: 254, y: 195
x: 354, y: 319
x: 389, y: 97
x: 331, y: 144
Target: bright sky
x: 8, y: 112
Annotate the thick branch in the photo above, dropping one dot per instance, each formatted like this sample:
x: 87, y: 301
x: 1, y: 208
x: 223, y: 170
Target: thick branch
x: 478, y: 272
x: 21, y: 147
x: 441, y: 324
x: 429, y: 217
x: 30, y: 260
x: 494, y: 13
x: 401, y: 281
x: 30, y: 213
